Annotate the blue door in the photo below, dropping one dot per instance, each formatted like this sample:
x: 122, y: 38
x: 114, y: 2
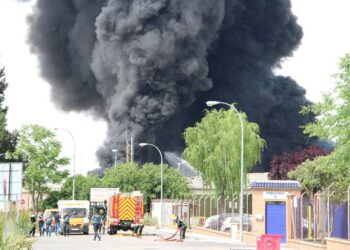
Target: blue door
x: 276, y: 219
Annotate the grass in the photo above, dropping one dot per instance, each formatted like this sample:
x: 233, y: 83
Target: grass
x: 149, y: 221
x: 14, y: 232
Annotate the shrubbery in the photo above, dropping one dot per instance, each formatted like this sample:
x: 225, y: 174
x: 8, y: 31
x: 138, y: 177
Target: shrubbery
x: 14, y: 231
x: 149, y: 221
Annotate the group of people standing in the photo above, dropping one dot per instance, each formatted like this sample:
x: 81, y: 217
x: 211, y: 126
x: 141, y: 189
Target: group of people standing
x: 45, y: 224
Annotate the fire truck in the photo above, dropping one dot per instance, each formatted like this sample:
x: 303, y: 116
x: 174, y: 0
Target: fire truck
x: 124, y: 209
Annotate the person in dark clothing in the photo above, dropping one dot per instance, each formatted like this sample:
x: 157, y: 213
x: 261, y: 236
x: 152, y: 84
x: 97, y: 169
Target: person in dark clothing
x: 48, y: 223
x: 33, y: 223
x: 66, y: 224
x: 181, y: 226
x: 103, y: 222
x: 96, y: 222
x: 57, y: 223
x: 41, y: 224
x: 137, y: 229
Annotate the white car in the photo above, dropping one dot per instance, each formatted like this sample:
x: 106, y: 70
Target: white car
x: 247, y: 222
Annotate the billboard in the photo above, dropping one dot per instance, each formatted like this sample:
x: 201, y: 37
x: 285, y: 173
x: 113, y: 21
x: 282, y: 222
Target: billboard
x: 11, y: 178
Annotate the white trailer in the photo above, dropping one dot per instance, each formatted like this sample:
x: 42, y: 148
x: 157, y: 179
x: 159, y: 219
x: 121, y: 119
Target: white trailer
x: 100, y: 195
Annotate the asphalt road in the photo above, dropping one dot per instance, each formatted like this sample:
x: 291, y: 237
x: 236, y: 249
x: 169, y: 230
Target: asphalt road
x: 149, y: 241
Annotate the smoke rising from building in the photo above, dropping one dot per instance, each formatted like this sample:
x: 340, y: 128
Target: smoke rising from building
x: 149, y: 66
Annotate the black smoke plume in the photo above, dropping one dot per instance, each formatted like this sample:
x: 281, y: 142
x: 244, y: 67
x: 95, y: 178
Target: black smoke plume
x: 149, y: 66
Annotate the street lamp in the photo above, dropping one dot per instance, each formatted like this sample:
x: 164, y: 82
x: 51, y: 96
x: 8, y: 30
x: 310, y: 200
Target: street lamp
x: 213, y: 103
x: 161, y: 179
x: 115, y: 157
x: 64, y: 129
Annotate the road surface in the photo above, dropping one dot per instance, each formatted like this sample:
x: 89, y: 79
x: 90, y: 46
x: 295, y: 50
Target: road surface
x: 149, y: 241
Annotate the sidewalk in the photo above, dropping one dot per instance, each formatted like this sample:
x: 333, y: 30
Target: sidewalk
x: 233, y: 244
x: 190, y: 236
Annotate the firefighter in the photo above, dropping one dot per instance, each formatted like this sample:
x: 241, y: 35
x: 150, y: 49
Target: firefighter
x: 181, y: 226
x: 137, y: 229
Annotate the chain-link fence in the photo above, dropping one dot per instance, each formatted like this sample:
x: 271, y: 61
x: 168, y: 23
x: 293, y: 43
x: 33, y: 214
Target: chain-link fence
x: 208, y: 211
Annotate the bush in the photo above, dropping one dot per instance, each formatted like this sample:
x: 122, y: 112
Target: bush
x: 149, y: 221
x: 14, y: 234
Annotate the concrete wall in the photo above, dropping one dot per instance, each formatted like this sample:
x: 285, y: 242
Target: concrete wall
x: 331, y: 244
x: 337, y: 244
x: 303, y: 245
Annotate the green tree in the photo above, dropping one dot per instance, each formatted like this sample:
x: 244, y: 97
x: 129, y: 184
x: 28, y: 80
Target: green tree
x: 174, y: 184
x: 332, y: 123
x: 8, y: 140
x: 130, y: 177
x: 84, y: 183
x: 40, y: 150
x: 51, y: 200
x: 330, y: 172
x: 213, y: 147
x: 126, y: 177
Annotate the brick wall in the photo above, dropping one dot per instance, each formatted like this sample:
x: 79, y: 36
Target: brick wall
x: 258, y: 227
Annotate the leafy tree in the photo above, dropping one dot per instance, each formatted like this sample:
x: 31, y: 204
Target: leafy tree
x: 333, y: 124
x: 322, y: 172
x: 82, y: 187
x: 333, y: 111
x: 213, y: 147
x: 281, y: 165
x: 126, y: 177
x: 319, y: 175
x: 130, y: 177
x: 174, y: 184
x: 40, y: 150
x: 51, y: 200
x: 8, y: 140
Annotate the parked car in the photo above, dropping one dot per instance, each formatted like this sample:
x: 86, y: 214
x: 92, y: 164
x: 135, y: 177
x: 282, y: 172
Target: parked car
x: 247, y: 222
x: 215, y: 222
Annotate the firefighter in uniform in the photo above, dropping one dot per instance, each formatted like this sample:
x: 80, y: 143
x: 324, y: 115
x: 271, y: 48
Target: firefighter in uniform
x: 181, y: 226
x: 137, y: 229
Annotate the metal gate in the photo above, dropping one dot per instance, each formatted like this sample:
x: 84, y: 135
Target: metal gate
x: 276, y: 219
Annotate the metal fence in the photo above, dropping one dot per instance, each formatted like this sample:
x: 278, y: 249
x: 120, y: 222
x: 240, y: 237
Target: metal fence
x: 209, y: 211
x: 321, y: 215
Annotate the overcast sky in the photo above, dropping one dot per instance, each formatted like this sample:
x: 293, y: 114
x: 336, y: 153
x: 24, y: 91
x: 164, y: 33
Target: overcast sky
x: 326, y: 38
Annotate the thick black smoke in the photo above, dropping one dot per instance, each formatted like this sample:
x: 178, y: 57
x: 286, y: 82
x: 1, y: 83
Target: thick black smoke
x: 149, y: 66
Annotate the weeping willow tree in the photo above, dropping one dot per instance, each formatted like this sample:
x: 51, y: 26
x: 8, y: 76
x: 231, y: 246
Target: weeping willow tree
x: 213, y: 148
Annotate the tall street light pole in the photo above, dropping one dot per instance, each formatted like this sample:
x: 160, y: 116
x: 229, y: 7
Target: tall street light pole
x: 115, y: 157
x: 213, y: 103
x: 64, y: 129
x: 161, y: 179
